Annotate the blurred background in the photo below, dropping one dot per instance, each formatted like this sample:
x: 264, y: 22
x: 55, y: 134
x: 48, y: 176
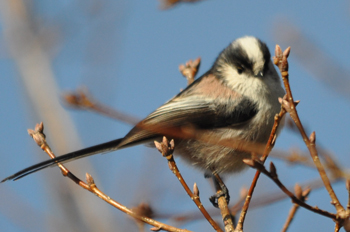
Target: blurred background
x: 126, y: 53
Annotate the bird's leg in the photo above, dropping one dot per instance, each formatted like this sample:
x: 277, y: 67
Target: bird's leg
x: 221, y: 190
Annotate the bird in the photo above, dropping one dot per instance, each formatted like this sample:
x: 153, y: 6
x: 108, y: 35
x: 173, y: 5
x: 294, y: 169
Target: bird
x: 237, y: 98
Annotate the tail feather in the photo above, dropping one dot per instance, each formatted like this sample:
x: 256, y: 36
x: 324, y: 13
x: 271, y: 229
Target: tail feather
x: 101, y: 148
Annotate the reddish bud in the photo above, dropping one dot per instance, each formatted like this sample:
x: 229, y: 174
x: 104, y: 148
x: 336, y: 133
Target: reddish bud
x: 312, y: 137
x: 89, y: 179
x: 298, y: 191
x: 273, y: 170
x: 195, y: 190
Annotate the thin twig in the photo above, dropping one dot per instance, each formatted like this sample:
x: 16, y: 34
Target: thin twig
x: 267, y: 150
x: 258, y: 202
x: 166, y: 148
x: 290, y: 217
x: 347, y: 185
x: 330, y: 162
x: 39, y: 138
x: 293, y: 157
x: 166, y: 4
x: 281, y: 61
x: 272, y: 174
x: 223, y: 204
x: 302, y: 195
x: 82, y: 99
x: 337, y: 227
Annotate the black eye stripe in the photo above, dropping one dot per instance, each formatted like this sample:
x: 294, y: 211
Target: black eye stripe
x: 266, y: 53
x: 240, y: 70
x: 236, y: 56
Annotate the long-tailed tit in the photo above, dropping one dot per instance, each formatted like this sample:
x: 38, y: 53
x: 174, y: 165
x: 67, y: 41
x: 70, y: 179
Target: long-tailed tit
x: 236, y: 99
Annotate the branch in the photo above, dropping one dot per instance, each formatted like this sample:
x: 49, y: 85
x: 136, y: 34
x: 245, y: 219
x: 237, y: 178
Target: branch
x: 166, y: 148
x: 272, y: 174
x: 166, y: 4
x: 302, y: 195
x: 223, y: 204
x: 81, y: 99
x: 258, y: 202
x: 289, y: 105
x: 39, y: 138
x: 268, y: 148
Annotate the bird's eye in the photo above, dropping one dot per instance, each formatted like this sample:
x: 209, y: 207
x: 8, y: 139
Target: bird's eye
x: 240, y: 70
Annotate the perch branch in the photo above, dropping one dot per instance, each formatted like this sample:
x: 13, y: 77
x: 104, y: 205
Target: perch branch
x: 39, y: 138
x: 272, y: 174
x: 267, y: 150
x: 166, y: 148
x: 302, y: 195
x: 281, y: 61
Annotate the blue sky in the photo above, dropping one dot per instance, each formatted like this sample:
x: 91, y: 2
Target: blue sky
x: 127, y: 54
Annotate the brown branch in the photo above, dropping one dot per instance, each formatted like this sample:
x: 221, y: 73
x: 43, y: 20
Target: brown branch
x: 290, y: 217
x: 166, y: 148
x: 166, y: 4
x: 258, y: 201
x: 272, y: 174
x: 281, y: 61
x: 337, y: 227
x: 225, y: 214
x: 267, y: 150
x: 293, y: 157
x: 302, y: 195
x: 347, y: 184
x: 239, y: 203
x: 223, y: 204
x: 330, y: 162
x: 81, y: 99
x: 39, y: 138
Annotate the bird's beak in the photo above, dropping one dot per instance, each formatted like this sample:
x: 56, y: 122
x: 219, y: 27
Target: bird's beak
x: 260, y: 74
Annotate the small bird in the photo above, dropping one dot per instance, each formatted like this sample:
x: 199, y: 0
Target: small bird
x: 236, y: 99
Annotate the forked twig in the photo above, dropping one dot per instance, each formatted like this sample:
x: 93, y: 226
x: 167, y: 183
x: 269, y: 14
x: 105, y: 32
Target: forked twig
x: 272, y: 174
x: 268, y: 148
x: 166, y: 148
x: 39, y: 138
x: 281, y: 61
x: 300, y: 194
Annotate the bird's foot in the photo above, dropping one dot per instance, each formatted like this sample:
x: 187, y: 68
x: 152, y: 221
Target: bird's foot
x: 223, y: 191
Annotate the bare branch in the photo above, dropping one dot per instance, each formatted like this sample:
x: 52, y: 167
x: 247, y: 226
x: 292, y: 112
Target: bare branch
x: 280, y: 60
x: 90, y: 185
x: 166, y: 148
x: 268, y: 148
x: 296, y: 200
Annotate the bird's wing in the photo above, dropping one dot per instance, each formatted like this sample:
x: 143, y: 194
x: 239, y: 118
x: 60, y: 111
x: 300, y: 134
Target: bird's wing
x: 196, y: 111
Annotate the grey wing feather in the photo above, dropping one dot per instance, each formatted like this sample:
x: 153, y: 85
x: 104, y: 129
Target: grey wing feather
x: 196, y: 111
x: 170, y: 115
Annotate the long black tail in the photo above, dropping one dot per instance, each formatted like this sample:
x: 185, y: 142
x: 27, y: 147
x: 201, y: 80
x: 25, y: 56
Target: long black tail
x: 97, y: 149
